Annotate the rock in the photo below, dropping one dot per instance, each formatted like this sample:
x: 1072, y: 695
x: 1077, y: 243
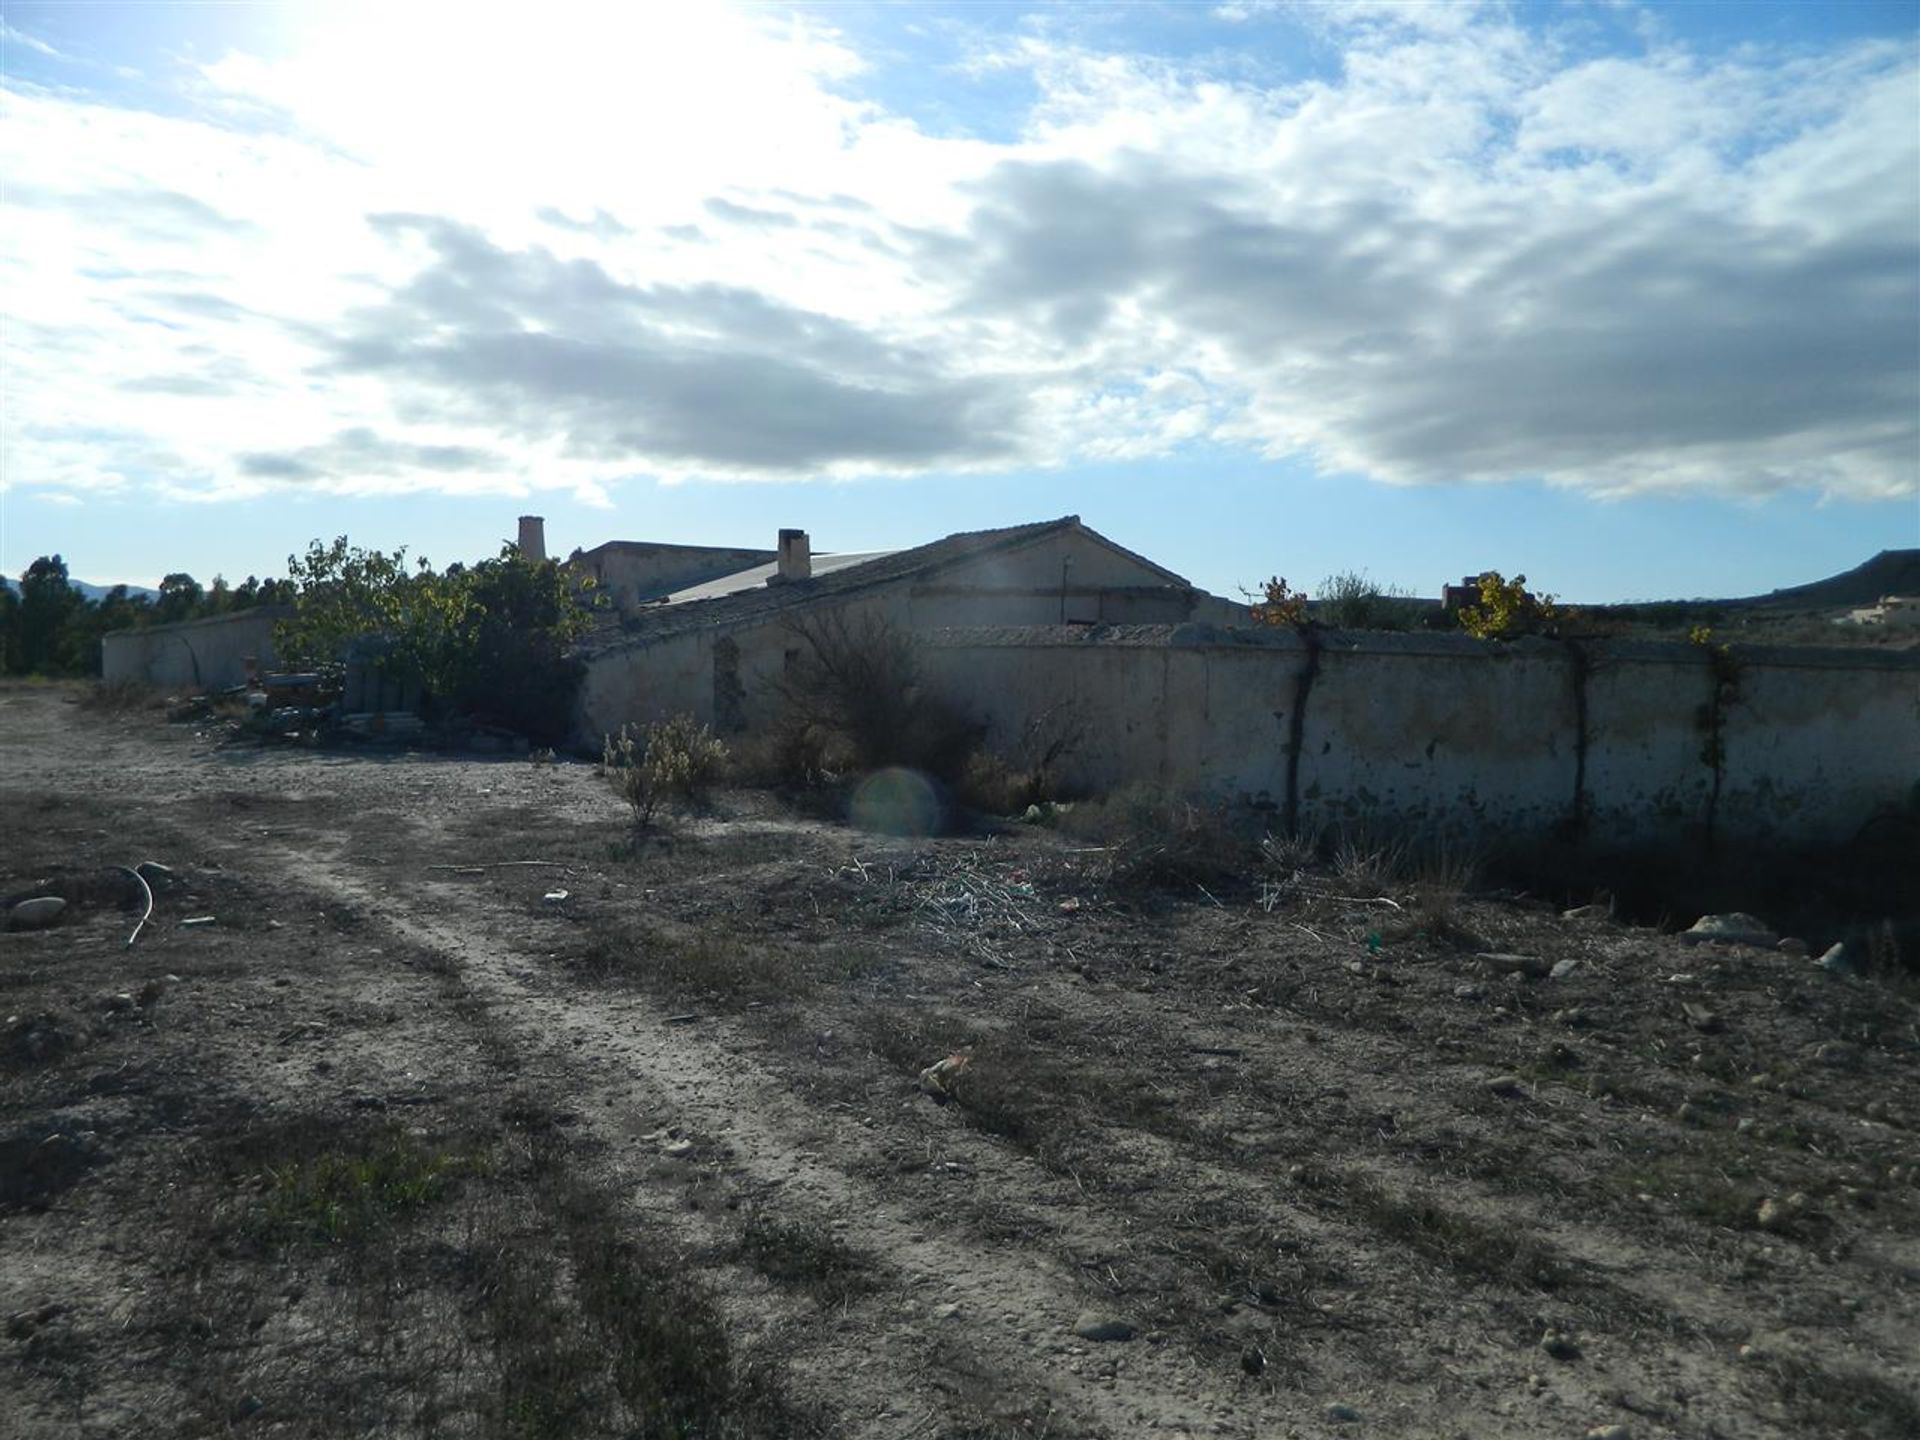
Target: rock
x: 1506, y: 1086
x: 1733, y: 928
x: 1529, y: 965
x: 1837, y: 961
x: 246, y: 1407
x: 1253, y: 1360
x: 36, y: 914
x: 1836, y: 1052
x: 23, y: 1323
x: 1610, y: 1432
x: 1585, y: 912
x: 1706, y: 1021
x: 1562, y: 969
x: 1466, y: 992
x: 157, y: 876
x: 677, y: 1149
x: 554, y: 897
x: 1776, y: 1215
x: 1343, y: 1415
x: 1793, y: 949
x: 1101, y: 1328
x: 1559, y: 1346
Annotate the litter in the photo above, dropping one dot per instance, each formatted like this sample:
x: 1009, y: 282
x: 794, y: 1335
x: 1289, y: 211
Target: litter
x: 938, y: 1078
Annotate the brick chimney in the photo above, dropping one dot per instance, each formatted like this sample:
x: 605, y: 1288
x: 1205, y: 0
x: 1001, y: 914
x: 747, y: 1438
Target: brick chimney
x: 796, y: 555
x: 533, y: 538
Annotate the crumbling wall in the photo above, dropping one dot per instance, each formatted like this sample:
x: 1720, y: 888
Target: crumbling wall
x: 205, y: 654
x: 1610, y: 741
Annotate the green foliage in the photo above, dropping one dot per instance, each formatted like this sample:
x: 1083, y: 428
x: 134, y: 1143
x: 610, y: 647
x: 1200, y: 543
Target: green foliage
x: 355, y: 1189
x: 1507, y: 610
x: 490, y: 640
x: 1351, y: 600
x: 1280, y: 604
x: 677, y: 760
x: 181, y: 598
x: 343, y: 592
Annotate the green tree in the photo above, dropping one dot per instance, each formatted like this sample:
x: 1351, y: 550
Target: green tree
x: 513, y: 621
x: 180, y: 597
x: 47, y: 606
x: 342, y: 593
x: 489, y: 640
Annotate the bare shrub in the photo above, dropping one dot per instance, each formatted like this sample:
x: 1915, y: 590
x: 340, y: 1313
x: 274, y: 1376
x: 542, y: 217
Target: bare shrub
x: 853, y: 695
x: 1157, y: 841
x: 677, y: 760
x: 788, y: 754
x: 121, y: 697
x: 1351, y: 600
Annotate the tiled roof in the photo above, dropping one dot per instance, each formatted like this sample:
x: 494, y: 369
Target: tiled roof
x: 657, y: 622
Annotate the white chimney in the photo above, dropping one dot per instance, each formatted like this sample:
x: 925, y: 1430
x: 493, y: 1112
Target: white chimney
x: 533, y: 538
x: 796, y: 555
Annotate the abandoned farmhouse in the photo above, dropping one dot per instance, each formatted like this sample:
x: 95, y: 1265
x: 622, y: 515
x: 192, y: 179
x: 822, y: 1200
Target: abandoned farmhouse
x: 1168, y: 686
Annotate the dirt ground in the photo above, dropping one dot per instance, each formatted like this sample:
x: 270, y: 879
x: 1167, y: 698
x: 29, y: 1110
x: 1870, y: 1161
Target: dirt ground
x: 432, y: 1101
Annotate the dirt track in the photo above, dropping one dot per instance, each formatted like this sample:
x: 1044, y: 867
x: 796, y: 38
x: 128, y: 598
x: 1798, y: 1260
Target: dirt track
x: 1335, y: 1176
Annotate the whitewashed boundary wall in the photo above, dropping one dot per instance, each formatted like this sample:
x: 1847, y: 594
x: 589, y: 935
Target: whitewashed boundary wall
x: 1612, y: 741
x: 205, y: 654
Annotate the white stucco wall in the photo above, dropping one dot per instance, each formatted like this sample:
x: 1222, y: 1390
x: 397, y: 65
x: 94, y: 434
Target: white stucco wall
x: 648, y: 681
x: 199, y: 654
x: 1452, y: 733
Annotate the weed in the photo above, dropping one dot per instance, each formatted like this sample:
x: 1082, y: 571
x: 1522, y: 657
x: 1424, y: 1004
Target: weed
x: 121, y: 697
x: 805, y: 1257
x: 676, y: 760
x: 1833, y: 1401
x: 1507, y: 609
x: 358, y: 1187
x: 1352, y: 601
x: 1278, y: 603
x: 1466, y: 1246
x: 1156, y: 841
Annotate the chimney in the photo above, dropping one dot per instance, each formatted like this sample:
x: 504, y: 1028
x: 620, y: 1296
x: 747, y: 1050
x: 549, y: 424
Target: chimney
x: 533, y: 538
x: 796, y: 556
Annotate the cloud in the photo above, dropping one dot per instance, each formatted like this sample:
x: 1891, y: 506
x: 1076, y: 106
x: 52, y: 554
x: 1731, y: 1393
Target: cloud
x: 728, y: 211
x: 358, y: 453
x: 1718, y: 290
x: 713, y: 377
x: 1460, y: 249
x: 600, y: 224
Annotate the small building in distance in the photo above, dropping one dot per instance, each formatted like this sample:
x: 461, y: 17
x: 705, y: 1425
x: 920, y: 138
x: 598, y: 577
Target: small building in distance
x: 710, y: 647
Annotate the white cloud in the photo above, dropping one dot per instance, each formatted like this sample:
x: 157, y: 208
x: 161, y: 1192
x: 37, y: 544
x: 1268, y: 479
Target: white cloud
x: 681, y: 248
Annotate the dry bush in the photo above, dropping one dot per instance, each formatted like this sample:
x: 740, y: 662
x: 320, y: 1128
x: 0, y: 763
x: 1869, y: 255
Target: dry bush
x: 121, y: 697
x: 1007, y: 785
x: 676, y: 760
x: 787, y: 755
x: 853, y: 696
x: 1157, y: 841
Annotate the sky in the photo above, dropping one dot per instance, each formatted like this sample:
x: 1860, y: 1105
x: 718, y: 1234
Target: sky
x: 1625, y: 297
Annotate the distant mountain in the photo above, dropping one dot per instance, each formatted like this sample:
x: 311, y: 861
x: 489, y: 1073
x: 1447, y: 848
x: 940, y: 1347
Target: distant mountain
x: 92, y: 592
x: 1891, y: 572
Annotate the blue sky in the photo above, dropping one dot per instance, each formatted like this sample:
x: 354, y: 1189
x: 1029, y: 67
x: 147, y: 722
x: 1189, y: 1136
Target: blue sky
x: 1626, y: 297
